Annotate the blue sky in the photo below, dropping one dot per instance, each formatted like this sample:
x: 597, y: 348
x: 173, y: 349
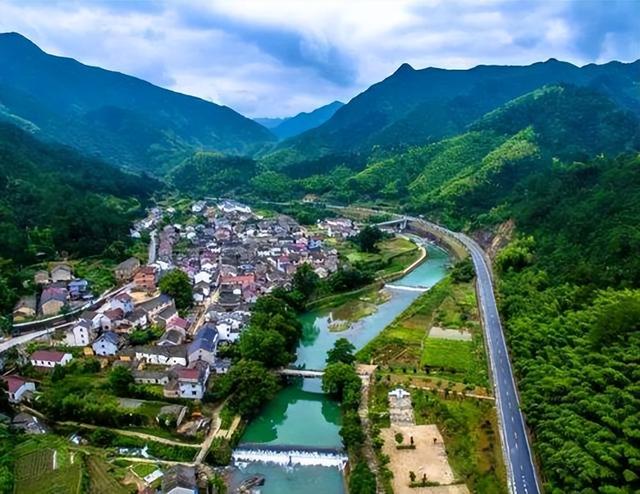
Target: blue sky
x: 276, y: 58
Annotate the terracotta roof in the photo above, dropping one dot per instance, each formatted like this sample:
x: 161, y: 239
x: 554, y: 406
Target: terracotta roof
x: 47, y: 355
x: 14, y: 383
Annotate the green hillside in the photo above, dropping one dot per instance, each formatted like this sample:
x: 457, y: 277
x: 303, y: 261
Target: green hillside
x: 118, y: 118
x: 54, y: 200
x: 416, y: 107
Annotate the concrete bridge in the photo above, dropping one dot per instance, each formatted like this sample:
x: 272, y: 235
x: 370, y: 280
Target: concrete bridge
x: 308, y: 373
x: 399, y: 223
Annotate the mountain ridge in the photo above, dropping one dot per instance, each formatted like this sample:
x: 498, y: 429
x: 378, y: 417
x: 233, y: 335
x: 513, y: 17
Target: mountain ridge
x: 62, y: 92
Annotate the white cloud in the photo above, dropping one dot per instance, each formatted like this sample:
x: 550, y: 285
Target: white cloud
x: 276, y: 58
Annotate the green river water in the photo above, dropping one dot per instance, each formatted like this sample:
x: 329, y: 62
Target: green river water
x: 300, y: 414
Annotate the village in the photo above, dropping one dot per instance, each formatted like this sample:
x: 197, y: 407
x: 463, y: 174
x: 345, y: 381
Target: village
x: 231, y: 256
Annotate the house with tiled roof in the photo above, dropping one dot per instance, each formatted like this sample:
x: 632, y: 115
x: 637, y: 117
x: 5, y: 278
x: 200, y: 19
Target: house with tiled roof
x: 203, y: 346
x: 49, y: 358
x: 107, y: 344
x: 17, y: 387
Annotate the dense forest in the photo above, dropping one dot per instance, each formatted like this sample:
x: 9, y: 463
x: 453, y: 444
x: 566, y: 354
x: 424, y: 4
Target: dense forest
x: 570, y: 296
x: 55, y: 201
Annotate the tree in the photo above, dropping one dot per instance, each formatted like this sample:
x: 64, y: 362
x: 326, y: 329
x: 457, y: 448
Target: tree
x: 351, y: 430
x: 176, y: 284
x: 305, y: 280
x: 362, y: 480
x: 338, y: 378
x: 412, y: 476
x: 251, y: 385
x: 463, y: 271
x: 367, y: 239
x: 120, y: 379
x: 102, y: 437
x: 399, y: 437
x: 342, y: 351
x: 264, y: 345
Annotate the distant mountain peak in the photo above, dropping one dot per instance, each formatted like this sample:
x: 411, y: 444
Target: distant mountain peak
x: 404, y: 68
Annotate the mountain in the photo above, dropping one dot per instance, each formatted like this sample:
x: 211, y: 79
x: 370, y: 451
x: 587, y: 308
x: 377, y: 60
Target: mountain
x: 116, y: 117
x: 270, y: 123
x: 54, y: 199
x: 416, y: 107
x: 302, y: 122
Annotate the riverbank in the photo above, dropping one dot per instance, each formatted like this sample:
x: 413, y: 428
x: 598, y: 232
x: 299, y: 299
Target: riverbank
x: 300, y: 409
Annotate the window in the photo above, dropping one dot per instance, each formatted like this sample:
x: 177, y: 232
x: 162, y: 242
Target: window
x: 193, y: 393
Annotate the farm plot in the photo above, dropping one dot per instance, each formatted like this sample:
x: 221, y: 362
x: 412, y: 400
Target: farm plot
x: 66, y: 480
x: 33, y: 465
x: 101, y: 481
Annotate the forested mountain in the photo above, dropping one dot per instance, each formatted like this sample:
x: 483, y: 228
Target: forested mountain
x: 304, y: 121
x: 119, y: 118
x: 55, y: 200
x: 416, y: 107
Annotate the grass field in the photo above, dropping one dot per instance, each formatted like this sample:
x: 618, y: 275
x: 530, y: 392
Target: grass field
x: 144, y: 469
x: 395, y: 254
x: 405, y: 343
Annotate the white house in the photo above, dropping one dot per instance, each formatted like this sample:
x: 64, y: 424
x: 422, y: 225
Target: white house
x: 124, y: 302
x: 49, y: 358
x: 202, y: 276
x: 107, y: 344
x: 203, y: 347
x: 17, y: 386
x: 192, y: 382
x: 162, y: 355
x: 82, y: 333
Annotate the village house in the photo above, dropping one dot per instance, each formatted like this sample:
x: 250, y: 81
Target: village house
x: 144, y: 279
x: 122, y: 301
x: 52, y: 300
x: 82, y: 333
x: 203, y: 347
x: 17, y: 387
x: 49, y: 358
x: 25, y: 308
x: 126, y: 269
x: 78, y: 288
x: 161, y: 355
x: 28, y: 423
x: 61, y: 272
x: 150, y: 377
x: 188, y: 382
x: 107, y: 344
x: 179, y: 479
x: 155, y: 306
x: 41, y: 277
x: 171, y: 337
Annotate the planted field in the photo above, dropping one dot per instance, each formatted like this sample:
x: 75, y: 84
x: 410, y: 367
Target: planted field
x: 67, y: 480
x: 101, y: 480
x: 463, y: 360
x: 35, y: 464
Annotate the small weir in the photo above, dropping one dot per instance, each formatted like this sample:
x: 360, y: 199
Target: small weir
x: 288, y: 455
x: 407, y: 288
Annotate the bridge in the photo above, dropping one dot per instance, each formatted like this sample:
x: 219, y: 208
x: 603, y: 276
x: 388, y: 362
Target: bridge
x: 400, y: 223
x: 308, y: 373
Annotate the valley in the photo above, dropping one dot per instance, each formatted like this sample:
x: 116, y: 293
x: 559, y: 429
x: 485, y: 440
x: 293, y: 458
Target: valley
x: 431, y: 288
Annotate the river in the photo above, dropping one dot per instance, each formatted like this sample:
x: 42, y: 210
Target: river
x: 301, y: 414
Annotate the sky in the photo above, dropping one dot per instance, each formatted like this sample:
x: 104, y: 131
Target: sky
x: 275, y: 58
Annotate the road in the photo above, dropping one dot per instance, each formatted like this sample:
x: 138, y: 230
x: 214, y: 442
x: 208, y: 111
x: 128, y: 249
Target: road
x: 522, y: 474
x: 523, y: 478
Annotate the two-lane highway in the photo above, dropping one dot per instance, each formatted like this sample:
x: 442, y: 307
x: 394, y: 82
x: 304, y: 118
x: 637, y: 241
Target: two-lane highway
x: 519, y: 459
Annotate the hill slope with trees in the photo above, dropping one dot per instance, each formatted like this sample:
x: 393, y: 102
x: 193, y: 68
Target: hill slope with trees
x: 119, y: 118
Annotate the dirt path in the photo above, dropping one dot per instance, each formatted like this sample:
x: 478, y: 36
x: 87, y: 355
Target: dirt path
x: 365, y: 372
x: 140, y: 435
x: 213, y: 431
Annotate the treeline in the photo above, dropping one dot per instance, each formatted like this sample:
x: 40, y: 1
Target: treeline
x: 54, y: 201
x: 570, y: 296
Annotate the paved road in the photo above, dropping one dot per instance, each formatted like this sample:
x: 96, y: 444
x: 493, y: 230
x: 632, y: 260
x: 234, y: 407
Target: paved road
x: 521, y: 470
